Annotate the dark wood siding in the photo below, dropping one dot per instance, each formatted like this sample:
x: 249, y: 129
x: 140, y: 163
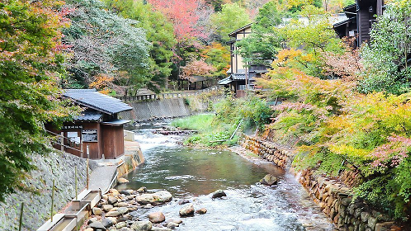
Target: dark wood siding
x: 363, y: 26
x: 95, y: 149
x: 113, y: 141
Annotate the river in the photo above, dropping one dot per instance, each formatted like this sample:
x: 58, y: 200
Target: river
x: 193, y: 174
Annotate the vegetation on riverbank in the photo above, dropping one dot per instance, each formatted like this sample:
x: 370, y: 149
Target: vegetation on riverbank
x: 220, y: 128
x: 341, y: 115
x: 339, y: 127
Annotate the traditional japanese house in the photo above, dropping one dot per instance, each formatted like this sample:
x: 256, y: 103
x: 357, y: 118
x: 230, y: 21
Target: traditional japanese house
x: 361, y: 17
x: 98, y: 130
x: 241, y: 74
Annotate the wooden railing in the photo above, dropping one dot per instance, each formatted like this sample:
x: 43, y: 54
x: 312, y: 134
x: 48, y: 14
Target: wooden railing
x: 170, y: 95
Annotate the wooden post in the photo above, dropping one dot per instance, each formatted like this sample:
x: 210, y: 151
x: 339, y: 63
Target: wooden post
x: 88, y: 156
x: 21, y: 216
x: 52, y: 202
x: 75, y: 180
x: 62, y: 142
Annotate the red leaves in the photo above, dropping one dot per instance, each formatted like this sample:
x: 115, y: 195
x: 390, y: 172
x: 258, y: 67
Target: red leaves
x: 184, y: 14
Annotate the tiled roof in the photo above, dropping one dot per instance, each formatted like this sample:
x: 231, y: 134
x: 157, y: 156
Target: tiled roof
x: 89, y: 116
x: 225, y: 81
x: 238, y: 76
x: 92, y: 99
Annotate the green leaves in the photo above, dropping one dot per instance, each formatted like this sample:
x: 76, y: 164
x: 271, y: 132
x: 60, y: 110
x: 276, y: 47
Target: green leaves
x: 385, y: 59
x: 30, y: 63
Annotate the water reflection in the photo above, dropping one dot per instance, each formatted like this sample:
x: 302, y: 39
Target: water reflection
x: 193, y: 174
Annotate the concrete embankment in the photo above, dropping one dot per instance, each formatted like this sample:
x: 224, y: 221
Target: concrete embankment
x: 333, y: 195
x: 56, y: 166
x: 180, y: 105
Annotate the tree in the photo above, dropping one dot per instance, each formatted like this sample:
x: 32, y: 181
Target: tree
x: 264, y: 42
x: 313, y: 38
x: 104, y: 43
x: 219, y: 57
x: 31, y: 61
x: 386, y: 57
x: 231, y: 17
x: 185, y: 15
x: 159, y: 33
x: 196, y: 68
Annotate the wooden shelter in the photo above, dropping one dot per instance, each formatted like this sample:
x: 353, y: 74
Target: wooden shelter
x: 97, y: 131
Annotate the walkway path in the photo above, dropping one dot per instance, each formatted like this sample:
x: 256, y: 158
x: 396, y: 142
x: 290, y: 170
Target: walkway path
x: 102, y: 177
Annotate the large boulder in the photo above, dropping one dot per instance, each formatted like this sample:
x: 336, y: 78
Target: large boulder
x: 154, y: 198
x: 156, y: 217
x: 269, y: 180
x: 187, y: 210
x: 142, y: 226
x: 219, y: 193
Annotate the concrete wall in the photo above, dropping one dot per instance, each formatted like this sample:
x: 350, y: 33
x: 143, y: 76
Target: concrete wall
x: 55, y: 166
x: 172, y: 107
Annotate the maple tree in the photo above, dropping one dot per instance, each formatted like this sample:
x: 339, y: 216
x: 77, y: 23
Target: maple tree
x: 196, y: 68
x: 31, y: 62
x: 184, y: 15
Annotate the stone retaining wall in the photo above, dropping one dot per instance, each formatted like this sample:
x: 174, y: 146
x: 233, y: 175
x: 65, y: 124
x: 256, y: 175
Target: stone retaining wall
x: 55, y: 166
x: 332, y: 195
x: 269, y: 151
x: 335, y: 200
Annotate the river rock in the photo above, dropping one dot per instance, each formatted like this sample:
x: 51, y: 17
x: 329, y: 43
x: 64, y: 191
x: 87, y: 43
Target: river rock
x: 148, y: 206
x: 121, y: 225
x: 177, y: 221
x: 107, y: 222
x: 201, y: 211
x: 114, y: 192
x: 219, y: 193
x: 97, y: 225
x: 172, y: 225
x: 122, y: 180
x: 97, y: 211
x: 107, y: 207
x: 112, y: 200
x: 142, y: 190
x: 184, y: 201
x: 156, y: 217
x: 269, y: 180
x: 160, y: 229
x: 156, y: 198
x: 142, y: 226
x: 122, y: 210
x: 187, y: 210
x: 122, y: 204
x: 113, y: 213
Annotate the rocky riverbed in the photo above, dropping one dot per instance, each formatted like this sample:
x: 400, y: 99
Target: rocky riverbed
x: 119, y: 211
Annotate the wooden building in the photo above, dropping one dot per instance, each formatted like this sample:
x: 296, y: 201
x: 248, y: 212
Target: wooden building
x: 361, y: 17
x: 241, y: 74
x: 97, y: 131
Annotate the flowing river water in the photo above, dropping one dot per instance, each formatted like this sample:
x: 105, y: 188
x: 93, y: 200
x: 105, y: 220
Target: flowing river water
x: 193, y: 174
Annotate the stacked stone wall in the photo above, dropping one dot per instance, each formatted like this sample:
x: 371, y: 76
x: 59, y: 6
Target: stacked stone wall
x: 269, y: 151
x: 335, y: 200
x: 333, y: 195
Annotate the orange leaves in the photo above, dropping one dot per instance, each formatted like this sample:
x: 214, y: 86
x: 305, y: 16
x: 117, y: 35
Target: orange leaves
x: 102, y: 83
x: 196, y: 68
